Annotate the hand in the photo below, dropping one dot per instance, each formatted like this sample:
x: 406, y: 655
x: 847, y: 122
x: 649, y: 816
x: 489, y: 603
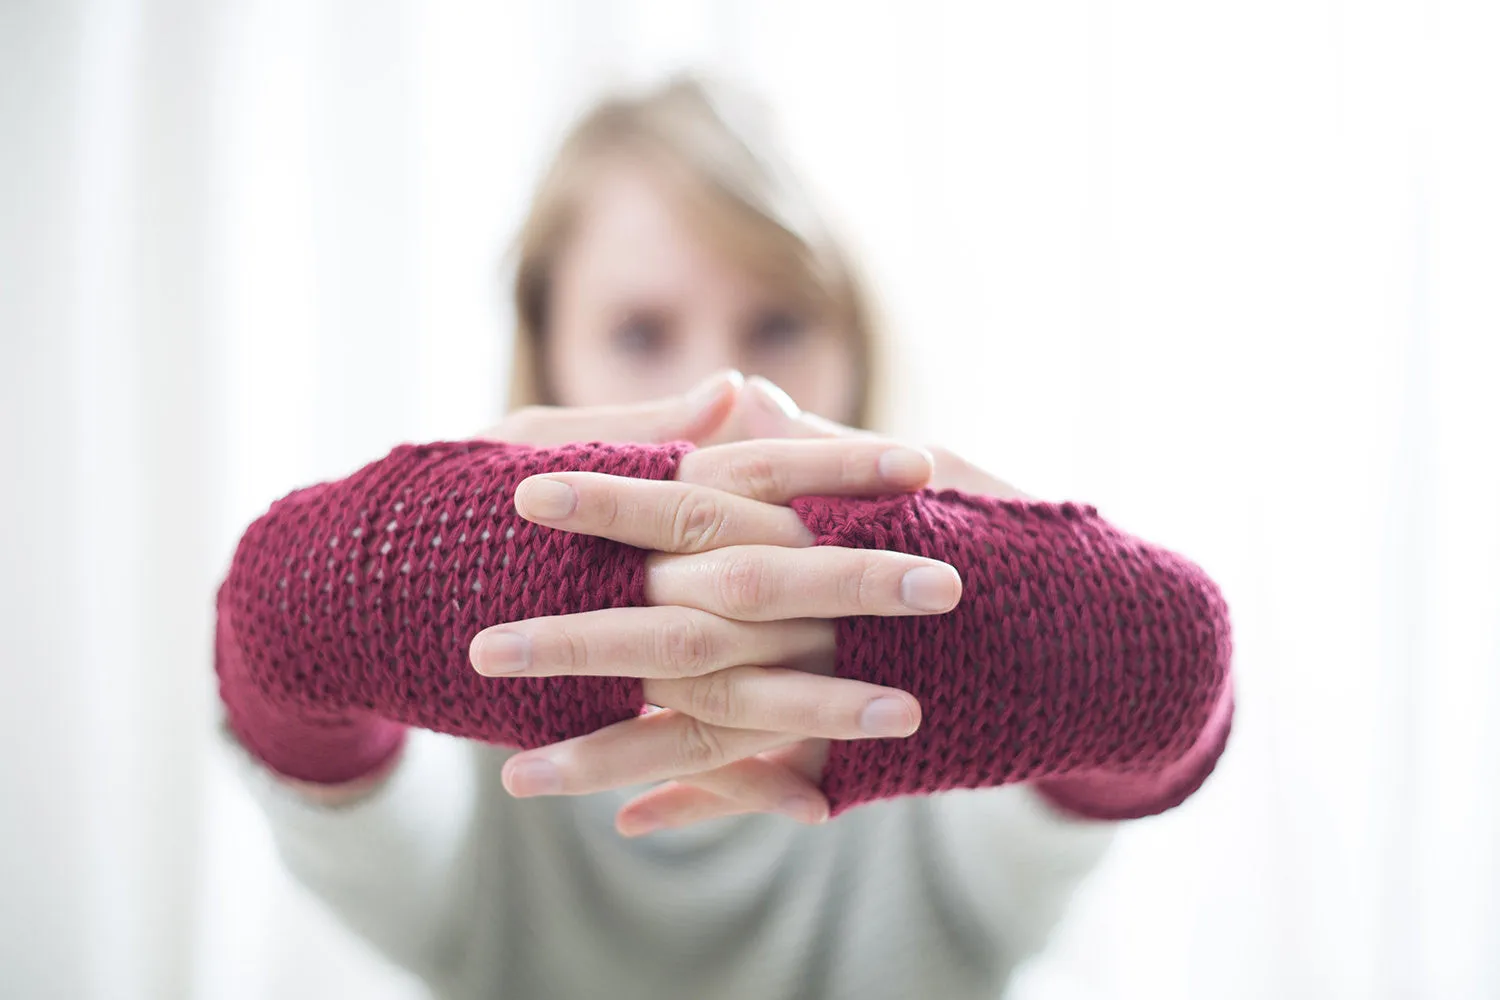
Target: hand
x: 735, y: 586
x: 763, y: 410
x: 694, y: 416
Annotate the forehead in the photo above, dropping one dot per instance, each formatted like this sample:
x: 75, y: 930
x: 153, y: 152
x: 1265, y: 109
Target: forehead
x: 634, y: 230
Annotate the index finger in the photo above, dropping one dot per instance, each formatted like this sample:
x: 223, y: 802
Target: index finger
x: 649, y: 514
x: 726, y: 495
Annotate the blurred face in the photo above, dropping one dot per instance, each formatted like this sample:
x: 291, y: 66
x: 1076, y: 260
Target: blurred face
x: 643, y: 307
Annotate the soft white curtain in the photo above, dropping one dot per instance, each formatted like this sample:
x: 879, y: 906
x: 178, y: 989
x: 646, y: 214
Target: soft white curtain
x: 1227, y: 270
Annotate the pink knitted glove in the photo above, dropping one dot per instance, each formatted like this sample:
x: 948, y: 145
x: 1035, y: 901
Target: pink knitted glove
x: 347, y: 612
x: 1081, y: 658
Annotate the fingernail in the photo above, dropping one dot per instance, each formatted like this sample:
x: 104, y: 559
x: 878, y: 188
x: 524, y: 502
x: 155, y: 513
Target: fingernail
x: 802, y: 809
x: 929, y: 588
x: 642, y: 825
x: 886, y: 716
x: 772, y: 394
x: 535, y: 777
x: 901, y: 466
x: 548, y: 498
x: 707, y: 392
x: 502, y: 652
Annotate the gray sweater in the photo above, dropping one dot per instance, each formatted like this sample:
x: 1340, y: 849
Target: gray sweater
x: 486, y: 896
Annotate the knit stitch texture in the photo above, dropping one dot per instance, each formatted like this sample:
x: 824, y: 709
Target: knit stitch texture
x: 1080, y: 658
x: 349, y: 607
x: 1077, y: 650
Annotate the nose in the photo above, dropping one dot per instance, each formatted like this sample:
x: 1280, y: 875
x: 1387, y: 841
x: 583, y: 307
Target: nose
x: 714, y: 348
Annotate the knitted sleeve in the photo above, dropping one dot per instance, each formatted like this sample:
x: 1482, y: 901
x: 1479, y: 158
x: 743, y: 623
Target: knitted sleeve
x: 1089, y: 662
x: 348, y: 609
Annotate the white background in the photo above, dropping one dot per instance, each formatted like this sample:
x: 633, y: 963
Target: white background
x: 1228, y: 270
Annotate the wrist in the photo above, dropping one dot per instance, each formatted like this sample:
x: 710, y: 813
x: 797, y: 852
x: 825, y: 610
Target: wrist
x: 348, y: 792
x: 322, y: 749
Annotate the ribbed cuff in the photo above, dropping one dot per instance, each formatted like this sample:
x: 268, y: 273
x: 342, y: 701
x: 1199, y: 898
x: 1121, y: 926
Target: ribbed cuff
x: 327, y: 750
x: 1102, y: 795
x: 334, y: 752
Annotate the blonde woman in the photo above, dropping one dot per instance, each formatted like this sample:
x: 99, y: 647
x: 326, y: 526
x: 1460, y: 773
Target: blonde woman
x: 577, y: 709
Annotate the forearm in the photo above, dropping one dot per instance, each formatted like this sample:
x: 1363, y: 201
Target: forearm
x: 1077, y: 650
x: 347, y: 612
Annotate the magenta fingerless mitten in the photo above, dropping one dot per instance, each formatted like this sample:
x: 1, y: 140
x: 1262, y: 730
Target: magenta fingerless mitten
x: 348, y: 610
x: 1079, y: 658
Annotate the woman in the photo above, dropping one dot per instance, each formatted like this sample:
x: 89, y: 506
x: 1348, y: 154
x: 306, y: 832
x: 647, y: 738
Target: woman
x: 784, y: 622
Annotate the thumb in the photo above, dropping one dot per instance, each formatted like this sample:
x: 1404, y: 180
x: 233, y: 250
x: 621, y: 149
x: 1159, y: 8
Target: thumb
x: 691, y: 416
x: 771, y: 413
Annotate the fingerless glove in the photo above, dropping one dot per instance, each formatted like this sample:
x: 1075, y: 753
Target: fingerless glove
x: 348, y: 610
x: 1080, y: 658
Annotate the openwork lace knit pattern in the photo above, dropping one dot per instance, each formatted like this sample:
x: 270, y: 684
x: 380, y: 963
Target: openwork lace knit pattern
x: 1076, y: 651
x: 349, y: 607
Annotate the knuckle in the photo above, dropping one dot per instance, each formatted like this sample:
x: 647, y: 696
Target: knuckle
x: 699, y: 747
x: 695, y: 468
x: 606, y: 506
x: 696, y: 522
x: 855, y: 467
x: 744, y: 586
x: 684, y: 645
x: 575, y: 650
x: 711, y: 698
x: 861, y: 585
x: 757, y: 475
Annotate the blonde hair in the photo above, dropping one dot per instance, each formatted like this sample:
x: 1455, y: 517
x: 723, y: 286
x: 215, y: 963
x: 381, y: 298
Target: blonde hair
x: 717, y: 143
